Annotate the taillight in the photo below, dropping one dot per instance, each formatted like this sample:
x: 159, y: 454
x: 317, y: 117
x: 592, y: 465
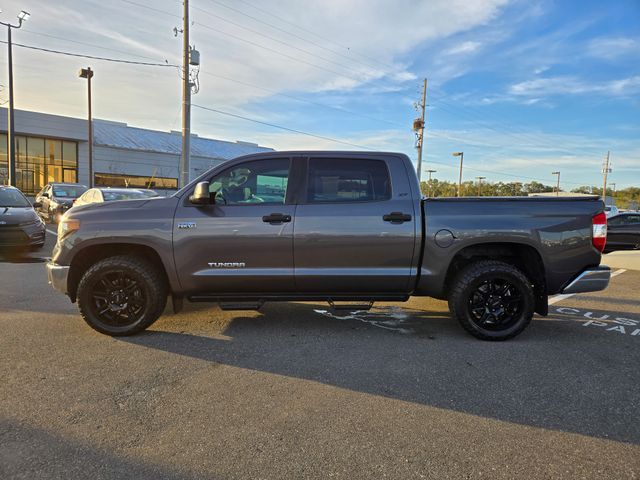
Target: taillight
x: 599, y: 239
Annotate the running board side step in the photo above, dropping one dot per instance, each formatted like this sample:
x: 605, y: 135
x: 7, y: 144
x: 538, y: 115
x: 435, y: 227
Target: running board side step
x: 351, y: 306
x: 240, y: 305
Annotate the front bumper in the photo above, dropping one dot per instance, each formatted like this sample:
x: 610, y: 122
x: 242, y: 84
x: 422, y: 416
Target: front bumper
x: 590, y: 280
x: 58, y: 275
x: 22, y: 236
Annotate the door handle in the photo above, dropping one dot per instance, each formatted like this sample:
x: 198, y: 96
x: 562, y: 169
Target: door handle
x: 276, y: 218
x: 397, y: 217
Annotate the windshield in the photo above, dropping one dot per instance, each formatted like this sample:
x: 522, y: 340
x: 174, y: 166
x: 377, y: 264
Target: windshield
x: 10, y: 197
x: 111, y: 196
x: 68, y: 191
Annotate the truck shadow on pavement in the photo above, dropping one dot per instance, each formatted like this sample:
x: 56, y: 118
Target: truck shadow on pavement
x: 52, y: 456
x: 539, y: 379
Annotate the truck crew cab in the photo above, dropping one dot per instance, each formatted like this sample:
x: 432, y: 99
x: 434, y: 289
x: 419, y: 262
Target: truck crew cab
x: 330, y: 226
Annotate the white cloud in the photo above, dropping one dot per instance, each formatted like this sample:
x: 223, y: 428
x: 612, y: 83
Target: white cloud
x: 611, y: 48
x: 571, y: 85
x: 463, y: 48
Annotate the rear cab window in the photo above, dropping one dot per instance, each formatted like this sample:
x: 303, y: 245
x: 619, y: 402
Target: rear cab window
x: 347, y: 180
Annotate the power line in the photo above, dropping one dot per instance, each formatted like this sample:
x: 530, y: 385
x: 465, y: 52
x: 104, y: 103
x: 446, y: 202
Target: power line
x: 255, y: 44
x: 289, y: 45
x: 78, y: 42
x: 326, y: 39
x: 280, y: 127
x: 288, y: 32
x: 92, y: 57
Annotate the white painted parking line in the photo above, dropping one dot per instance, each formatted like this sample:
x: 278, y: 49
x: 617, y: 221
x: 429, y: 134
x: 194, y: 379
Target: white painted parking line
x: 559, y: 298
x: 52, y: 232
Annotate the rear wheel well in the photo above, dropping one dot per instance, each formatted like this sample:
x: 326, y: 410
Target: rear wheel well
x: 524, y: 257
x: 88, y: 256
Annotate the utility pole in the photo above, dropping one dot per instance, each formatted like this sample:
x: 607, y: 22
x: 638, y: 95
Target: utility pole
x: 480, y: 185
x: 186, y: 99
x: 557, y: 183
x: 88, y: 74
x: 606, y: 170
x: 429, y: 184
x: 11, y: 142
x: 418, y: 127
x: 461, y: 155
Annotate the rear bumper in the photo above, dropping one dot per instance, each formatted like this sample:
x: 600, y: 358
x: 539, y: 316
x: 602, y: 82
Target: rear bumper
x: 58, y: 275
x: 590, y: 280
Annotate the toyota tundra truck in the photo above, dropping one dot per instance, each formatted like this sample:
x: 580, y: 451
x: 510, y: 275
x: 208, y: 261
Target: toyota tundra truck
x: 347, y: 228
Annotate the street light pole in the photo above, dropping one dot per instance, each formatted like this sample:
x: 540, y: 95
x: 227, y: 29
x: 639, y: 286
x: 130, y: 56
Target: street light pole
x: 557, y: 183
x: 613, y: 184
x: 429, y: 184
x: 11, y: 143
x: 88, y: 74
x: 461, y: 155
x: 480, y: 185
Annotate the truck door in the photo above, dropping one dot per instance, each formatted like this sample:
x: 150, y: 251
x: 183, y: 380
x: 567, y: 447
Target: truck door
x: 355, y: 227
x: 244, y: 242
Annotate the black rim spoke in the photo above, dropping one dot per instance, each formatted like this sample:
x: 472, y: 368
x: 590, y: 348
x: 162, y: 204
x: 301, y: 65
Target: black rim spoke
x: 118, y: 299
x: 495, y: 304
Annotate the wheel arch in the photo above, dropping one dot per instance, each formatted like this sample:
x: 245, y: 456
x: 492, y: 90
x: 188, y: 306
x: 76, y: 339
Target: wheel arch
x: 523, y: 256
x: 91, y: 254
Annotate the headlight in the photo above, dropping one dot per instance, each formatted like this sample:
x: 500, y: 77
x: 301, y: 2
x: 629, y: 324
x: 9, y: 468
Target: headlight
x: 67, y: 226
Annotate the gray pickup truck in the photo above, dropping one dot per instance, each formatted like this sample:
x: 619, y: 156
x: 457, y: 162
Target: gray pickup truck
x: 349, y: 228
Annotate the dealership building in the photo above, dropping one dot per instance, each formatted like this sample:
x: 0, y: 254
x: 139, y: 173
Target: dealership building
x: 53, y: 148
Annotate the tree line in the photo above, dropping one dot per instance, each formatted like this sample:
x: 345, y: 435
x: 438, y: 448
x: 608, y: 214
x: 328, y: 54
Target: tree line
x: 443, y: 188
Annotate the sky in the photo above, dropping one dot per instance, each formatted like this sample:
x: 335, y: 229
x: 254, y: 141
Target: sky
x: 522, y: 87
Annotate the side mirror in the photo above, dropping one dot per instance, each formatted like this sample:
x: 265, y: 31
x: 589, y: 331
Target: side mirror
x: 201, y: 195
x: 37, y: 204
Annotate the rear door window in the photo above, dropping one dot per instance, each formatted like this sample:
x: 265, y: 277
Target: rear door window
x: 347, y: 180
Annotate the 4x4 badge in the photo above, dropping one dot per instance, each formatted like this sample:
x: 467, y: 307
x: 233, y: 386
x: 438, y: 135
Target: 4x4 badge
x: 187, y: 225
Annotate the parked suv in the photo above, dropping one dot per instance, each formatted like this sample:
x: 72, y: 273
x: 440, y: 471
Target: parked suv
x: 56, y: 198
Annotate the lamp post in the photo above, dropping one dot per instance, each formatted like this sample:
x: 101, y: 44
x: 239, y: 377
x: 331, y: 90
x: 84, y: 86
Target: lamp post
x: 429, y: 184
x: 461, y: 155
x: 11, y: 143
x: 88, y: 74
x: 557, y: 183
x: 480, y: 185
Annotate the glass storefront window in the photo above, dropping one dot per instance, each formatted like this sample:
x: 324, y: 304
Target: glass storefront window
x: 135, y: 181
x: 39, y: 161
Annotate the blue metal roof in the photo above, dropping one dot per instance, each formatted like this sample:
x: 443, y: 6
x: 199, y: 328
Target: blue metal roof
x: 120, y: 135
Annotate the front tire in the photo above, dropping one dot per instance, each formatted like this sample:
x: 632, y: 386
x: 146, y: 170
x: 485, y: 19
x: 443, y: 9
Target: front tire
x: 121, y: 295
x: 492, y: 300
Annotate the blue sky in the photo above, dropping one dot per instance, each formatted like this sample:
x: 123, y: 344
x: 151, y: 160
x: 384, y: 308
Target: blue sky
x: 522, y: 87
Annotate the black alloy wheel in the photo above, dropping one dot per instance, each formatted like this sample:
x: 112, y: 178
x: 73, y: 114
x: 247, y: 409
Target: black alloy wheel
x: 492, y: 300
x: 117, y: 298
x: 495, y: 304
x: 122, y: 295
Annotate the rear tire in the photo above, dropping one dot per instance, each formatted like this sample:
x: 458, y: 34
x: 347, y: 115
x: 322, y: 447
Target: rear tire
x: 492, y: 300
x: 121, y: 295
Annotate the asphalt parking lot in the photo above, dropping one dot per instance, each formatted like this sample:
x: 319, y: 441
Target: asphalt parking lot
x: 296, y: 391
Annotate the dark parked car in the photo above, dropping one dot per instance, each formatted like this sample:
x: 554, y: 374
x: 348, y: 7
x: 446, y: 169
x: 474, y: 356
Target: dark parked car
x: 333, y: 226
x: 20, y: 225
x: 100, y: 195
x: 56, y: 198
x: 623, y: 232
